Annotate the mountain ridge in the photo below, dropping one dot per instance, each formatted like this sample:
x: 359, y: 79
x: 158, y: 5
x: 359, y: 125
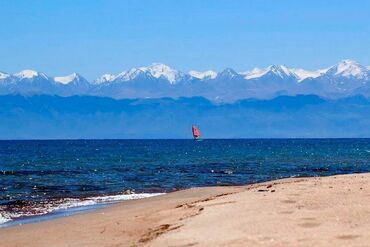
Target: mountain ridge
x: 80, y: 117
x: 343, y: 79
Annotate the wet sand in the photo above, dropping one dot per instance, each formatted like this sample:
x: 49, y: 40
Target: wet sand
x: 325, y: 211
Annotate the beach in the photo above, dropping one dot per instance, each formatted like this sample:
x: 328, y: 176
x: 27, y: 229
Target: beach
x: 316, y: 211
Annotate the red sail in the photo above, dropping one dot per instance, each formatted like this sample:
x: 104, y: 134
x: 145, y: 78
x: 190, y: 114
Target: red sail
x: 195, y: 130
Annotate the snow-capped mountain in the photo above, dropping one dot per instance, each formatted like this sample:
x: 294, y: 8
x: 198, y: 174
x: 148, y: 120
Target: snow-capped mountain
x: 4, y: 76
x: 155, y: 71
x: 277, y: 71
x: 159, y: 80
x: 106, y: 78
x: 72, y: 80
x: 228, y: 74
x: 283, y: 72
x: 349, y: 69
x: 27, y: 82
x: 302, y: 74
x: 203, y: 75
x: 343, y: 79
x: 31, y: 75
x: 152, y: 72
x: 71, y: 84
x: 159, y: 70
x: 134, y: 74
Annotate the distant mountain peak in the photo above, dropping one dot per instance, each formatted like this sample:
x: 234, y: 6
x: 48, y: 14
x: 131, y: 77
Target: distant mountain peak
x: 158, y: 70
x: 277, y: 70
x: 132, y: 74
x: 75, y: 81
x: 228, y: 73
x: 202, y: 75
x: 348, y: 61
x: 349, y: 68
x: 160, y: 67
x: 303, y: 74
x: 68, y: 79
x: 3, y: 75
x: 281, y: 71
x: 105, y: 78
x: 254, y: 73
x: 29, y: 74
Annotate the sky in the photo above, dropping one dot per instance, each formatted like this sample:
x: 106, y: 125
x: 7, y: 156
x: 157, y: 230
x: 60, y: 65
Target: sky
x: 94, y: 37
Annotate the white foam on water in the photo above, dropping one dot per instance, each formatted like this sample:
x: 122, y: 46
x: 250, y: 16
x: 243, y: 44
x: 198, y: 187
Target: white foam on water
x: 69, y: 203
x: 3, y: 219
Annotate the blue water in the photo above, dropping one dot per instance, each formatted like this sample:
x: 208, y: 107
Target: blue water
x: 38, y: 174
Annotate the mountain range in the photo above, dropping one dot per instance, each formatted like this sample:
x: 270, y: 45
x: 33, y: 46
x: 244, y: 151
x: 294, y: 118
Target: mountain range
x: 344, y: 79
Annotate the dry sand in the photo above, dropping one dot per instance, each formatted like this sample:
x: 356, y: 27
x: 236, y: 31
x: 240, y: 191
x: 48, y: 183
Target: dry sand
x: 327, y: 211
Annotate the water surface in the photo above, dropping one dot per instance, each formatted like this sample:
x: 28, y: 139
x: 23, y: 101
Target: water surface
x: 37, y: 177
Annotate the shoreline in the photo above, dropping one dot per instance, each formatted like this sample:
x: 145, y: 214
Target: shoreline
x: 70, y: 206
x: 59, y: 213
x: 314, y: 211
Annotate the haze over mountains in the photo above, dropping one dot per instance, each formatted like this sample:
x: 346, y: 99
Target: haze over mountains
x: 346, y: 78
x: 55, y: 117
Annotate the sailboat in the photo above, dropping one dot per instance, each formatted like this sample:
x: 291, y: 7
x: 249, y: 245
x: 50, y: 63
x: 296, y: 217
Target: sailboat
x: 196, y: 134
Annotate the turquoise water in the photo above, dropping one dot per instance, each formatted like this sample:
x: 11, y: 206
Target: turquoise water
x: 38, y: 177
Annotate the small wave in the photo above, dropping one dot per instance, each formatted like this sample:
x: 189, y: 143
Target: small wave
x: 65, y: 204
x: 70, y: 203
x: 3, y: 219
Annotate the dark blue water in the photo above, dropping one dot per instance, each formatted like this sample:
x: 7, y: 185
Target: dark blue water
x: 35, y: 173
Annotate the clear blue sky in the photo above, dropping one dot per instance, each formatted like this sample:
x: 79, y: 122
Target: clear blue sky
x: 95, y: 37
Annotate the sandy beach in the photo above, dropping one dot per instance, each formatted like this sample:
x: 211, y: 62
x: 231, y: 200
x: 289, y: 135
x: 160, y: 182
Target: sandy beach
x: 321, y: 211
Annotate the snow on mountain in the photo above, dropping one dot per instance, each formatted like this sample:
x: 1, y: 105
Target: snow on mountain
x: 275, y: 70
x: 254, y: 73
x: 156, y: 70
x: 105, y: 78
x: 3, y: 75
x: 303, y: 74
x: 346, y: 78
x: 30, y: 74
x: 161, y: 70
x: 208, y: 74
x: 159, y: 80
x: 349, y: 69
x: 227, y: 74
x: 280, y: 70
x: 68, y: 79
x: 133, y: 74
x: 73, y: 84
